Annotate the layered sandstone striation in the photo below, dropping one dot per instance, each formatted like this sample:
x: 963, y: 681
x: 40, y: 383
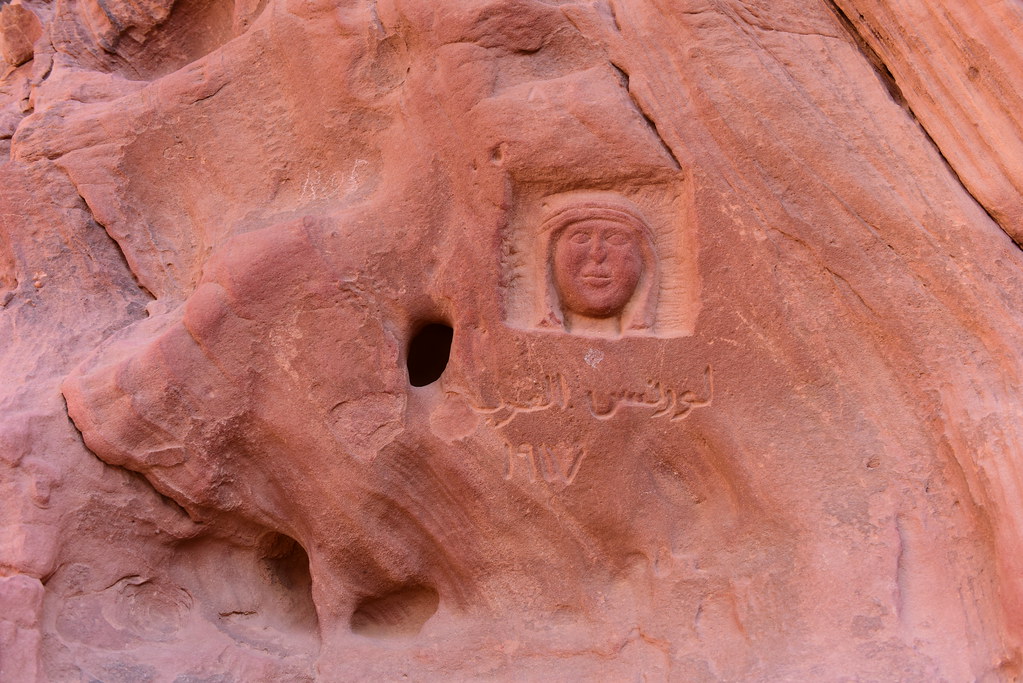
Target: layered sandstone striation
x: 510, y: 339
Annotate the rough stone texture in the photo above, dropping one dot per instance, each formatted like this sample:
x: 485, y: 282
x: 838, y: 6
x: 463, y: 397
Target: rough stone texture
x: 733, y: 388
x: 19, y: 29
x: 957, y: 66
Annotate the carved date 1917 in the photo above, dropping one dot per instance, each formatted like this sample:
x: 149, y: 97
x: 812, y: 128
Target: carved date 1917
x: 553, y: 462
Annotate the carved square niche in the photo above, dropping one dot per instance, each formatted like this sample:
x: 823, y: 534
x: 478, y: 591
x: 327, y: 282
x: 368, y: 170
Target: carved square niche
x: 602, y: 262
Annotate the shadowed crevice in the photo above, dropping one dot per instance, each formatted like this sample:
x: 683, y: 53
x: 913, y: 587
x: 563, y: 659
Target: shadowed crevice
x: 136, y: 476
x: 887, y: 79
x: 623, y: 77
x: 400, y: 613
x: 122, y: 258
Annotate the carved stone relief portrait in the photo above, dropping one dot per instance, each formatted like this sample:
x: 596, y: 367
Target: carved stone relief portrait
x: 601, y: 267
x: 591, y: 264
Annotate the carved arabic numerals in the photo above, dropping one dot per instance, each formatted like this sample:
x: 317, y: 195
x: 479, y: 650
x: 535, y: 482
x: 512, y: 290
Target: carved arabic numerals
x: 563, y: 461
x: 521, y: 452
x: 557, y: 462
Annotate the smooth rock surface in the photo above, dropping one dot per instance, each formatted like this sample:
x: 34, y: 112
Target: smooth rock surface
x: 510, y: 339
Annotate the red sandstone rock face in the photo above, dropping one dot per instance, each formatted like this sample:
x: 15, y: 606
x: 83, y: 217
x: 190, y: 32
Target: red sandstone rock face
x: 510, y: 339
x: 19, y: 29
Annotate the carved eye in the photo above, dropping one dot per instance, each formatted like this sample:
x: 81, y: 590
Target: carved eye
x: 618, y: 239
x: 579, y: 238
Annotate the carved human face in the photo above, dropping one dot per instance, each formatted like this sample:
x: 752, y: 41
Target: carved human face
x: 597, y: 265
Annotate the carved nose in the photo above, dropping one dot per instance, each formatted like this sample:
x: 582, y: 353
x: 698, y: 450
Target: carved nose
x: 598, y: 251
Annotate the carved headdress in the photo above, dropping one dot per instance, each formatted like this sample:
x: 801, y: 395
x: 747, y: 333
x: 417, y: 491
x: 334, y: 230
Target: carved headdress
x: 638, y: 317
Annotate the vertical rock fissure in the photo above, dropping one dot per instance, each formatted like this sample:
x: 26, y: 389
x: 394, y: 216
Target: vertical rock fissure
x: 135, y: 476
x: 623, y: 77
x: 871, y: 55
x: 886, y: 77
x: 123, y: 258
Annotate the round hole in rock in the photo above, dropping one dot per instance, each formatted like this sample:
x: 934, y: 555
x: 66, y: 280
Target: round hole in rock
x: 428, y: 353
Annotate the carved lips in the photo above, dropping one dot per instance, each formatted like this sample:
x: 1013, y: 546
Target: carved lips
x: 597, y: 265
